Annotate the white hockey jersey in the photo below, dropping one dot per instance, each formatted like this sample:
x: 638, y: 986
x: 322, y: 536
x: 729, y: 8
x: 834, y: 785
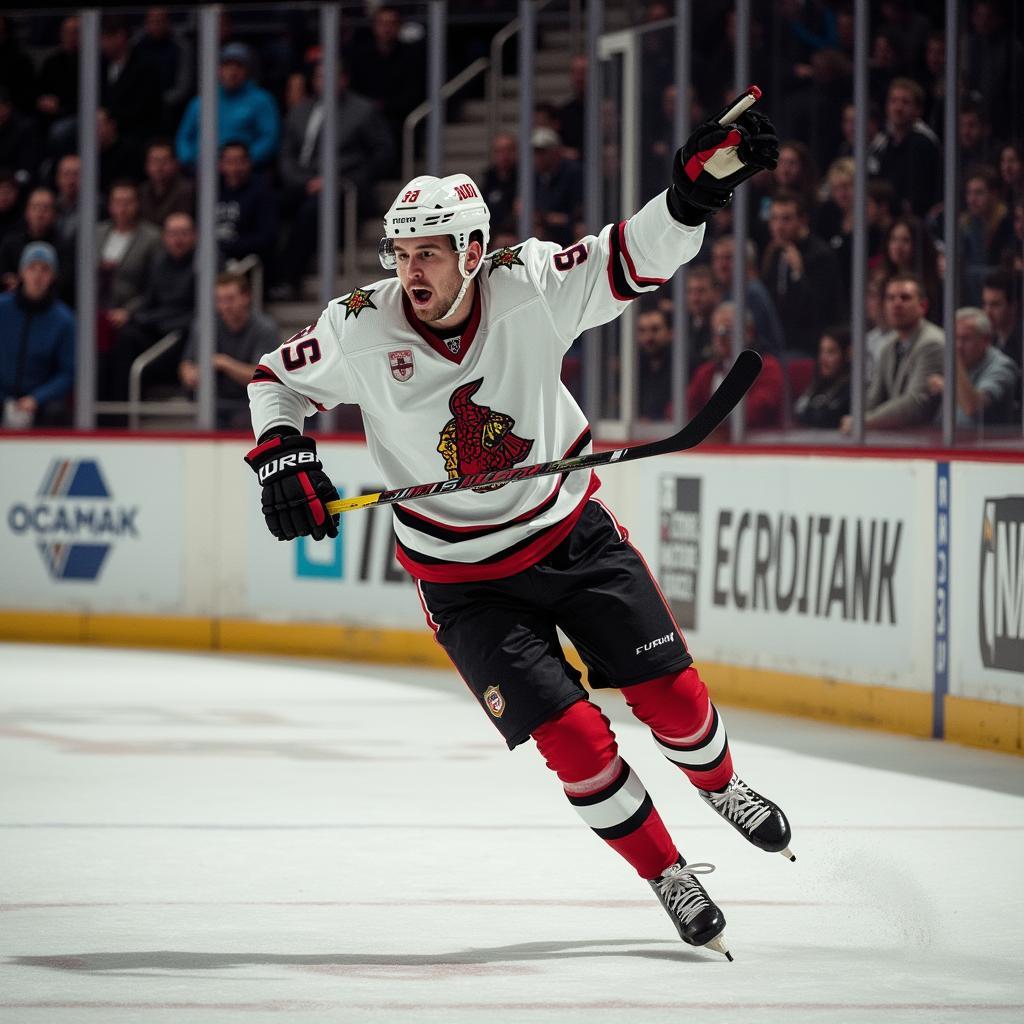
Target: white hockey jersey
x: 489, y: 399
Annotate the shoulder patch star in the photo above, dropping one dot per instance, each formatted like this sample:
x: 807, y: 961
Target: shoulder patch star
x: 358, y: 301
x: 505, y: 257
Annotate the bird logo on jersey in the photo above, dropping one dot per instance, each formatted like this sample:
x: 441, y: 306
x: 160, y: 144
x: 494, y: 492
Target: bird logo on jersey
x: 505, y: 257
x: 358, y: 301
x: 477, y: 439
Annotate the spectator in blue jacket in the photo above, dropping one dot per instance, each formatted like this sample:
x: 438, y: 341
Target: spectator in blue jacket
x: 37, y: 344
x: 245, y: 112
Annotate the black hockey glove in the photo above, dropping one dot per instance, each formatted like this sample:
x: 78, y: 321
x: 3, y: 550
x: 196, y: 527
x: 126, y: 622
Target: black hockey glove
x: 717, y: 158
x: 295, y: 488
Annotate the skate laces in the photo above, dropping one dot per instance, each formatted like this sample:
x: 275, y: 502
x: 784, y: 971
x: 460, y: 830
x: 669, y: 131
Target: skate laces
x: 740, y: 804
x: 680, y: 891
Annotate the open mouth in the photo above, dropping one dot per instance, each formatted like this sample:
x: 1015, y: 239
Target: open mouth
x: 421, y: 296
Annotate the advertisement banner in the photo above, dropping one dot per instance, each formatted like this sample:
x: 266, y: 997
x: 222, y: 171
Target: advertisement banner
x: 815, y: 566
x: 352, y: 579
x: 987, y: 560
x: 94, y: 526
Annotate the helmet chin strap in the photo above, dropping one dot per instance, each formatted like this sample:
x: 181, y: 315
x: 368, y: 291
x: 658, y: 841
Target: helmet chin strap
x: 466, y: 278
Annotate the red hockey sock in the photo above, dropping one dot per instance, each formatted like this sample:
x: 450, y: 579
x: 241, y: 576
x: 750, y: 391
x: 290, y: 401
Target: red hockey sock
x: 579, y: 746
x: 686, y: 726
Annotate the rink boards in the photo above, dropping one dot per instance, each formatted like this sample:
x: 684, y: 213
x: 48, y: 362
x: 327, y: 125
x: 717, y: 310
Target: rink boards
x: 885, y: 590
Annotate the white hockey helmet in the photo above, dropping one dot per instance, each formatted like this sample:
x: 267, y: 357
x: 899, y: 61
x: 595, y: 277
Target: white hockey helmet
x: 436, y: 206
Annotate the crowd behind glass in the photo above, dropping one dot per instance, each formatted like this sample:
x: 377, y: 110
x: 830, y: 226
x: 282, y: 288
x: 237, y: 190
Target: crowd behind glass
x: 799, y: 252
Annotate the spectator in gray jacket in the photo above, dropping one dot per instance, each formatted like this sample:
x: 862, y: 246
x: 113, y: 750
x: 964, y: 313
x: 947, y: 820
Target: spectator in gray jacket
x: 899, y: 395
x: 365, y: 151
x: 243, y: 335
x: 126, y: 247
x: 986, y: 379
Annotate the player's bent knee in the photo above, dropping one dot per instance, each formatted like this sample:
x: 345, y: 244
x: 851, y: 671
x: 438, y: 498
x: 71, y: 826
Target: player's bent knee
x: 673, y: 705
x: 577, y: 743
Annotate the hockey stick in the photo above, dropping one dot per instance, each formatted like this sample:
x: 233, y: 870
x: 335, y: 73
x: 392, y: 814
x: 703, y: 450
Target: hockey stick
x: 728, y: 394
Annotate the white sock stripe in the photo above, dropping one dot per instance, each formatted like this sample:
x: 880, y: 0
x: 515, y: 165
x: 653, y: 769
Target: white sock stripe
x: 695, y: 736
x: 603, y: 778
x: 703, y: 754
x: 619, y: 807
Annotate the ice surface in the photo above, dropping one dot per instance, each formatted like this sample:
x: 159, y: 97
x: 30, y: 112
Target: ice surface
x: 193, y: 838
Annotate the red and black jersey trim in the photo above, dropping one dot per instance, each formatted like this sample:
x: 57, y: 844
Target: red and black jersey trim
x: 507, y: 562
x: 624, y: 285
x: 265, y: 375
x: 436, y: 341
x: 453, y: 534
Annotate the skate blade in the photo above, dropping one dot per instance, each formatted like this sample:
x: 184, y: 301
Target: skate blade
x: 719, y: 946
x: 788, y: 854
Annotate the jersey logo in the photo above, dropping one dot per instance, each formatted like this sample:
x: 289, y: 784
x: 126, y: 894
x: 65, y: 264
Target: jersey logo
x: 358, y: 301
x: 495, y: 701
x: 401, y: 364
x: 505, y: 258
x: 454, y: 344
x: 476, y: 439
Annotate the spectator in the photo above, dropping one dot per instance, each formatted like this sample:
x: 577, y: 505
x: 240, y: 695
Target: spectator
x: 17, y: 75
x: 881, y: 212
x: 166, y: 190
x: 120, y: 157
x: 702, y: 297
x: 243, y: 335
x: 763, y: 403
x: 654, y: 363
x: 168, y: 305
x: 169, y: 52
x: 19, y: 149
x: 759, y: 302
x: 974, y: 134
x: 558, y: 192
x: 364, y: 155
x: 827, y: 399
x: 815, y: 113
x: 68, y: 180
x: 878, y: 331
x: 986, y: 231
x: 247, y: 210
x: 39, y: 225
x: 884, y: 64
x: 908, y: 152
x: 10, y: 205
x: 909, y: 27
x: 500, y: 183
x: 127, y: 247
x: 909, y: 249
x: 802, y: 276
x: 796, y: 175
x: 245, y: 113
x: 387, y: 71
x: 58, y: 77
x: 999, y: 300
x: 834, y: 218
x: 1011, y: 172
x: 129, y: 86
x: 570, y: 114
x: 37, y: 344
x: 991, y: 56
x: 849, y: 127
x: 986, y: 379
x: 899, y: 395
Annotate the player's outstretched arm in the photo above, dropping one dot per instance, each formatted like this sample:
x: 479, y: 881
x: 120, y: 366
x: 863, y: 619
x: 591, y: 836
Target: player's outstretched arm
x: 718, y: 156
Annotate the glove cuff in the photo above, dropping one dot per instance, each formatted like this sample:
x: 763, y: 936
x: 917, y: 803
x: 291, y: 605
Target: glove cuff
x: 684, y: 212
x: 283, y: 456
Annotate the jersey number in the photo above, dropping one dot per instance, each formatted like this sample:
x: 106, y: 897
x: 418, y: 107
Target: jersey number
x: 305, y: 351
x: 571, y: 257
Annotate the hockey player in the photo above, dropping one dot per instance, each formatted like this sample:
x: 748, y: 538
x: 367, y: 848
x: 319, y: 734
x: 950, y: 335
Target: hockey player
x: 455, y: 364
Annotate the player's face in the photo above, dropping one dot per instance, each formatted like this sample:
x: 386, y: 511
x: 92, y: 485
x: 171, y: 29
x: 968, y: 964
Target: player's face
x: 428, y: 269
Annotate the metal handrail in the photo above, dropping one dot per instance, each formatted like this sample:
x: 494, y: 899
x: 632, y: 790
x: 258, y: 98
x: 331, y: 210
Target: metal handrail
x: 501, y: 37
x: 139, y: 364
x: 464, y: 77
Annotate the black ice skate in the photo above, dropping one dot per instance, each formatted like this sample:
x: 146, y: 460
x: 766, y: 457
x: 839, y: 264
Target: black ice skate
x: 698, y: 921
x: 754, y: 817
